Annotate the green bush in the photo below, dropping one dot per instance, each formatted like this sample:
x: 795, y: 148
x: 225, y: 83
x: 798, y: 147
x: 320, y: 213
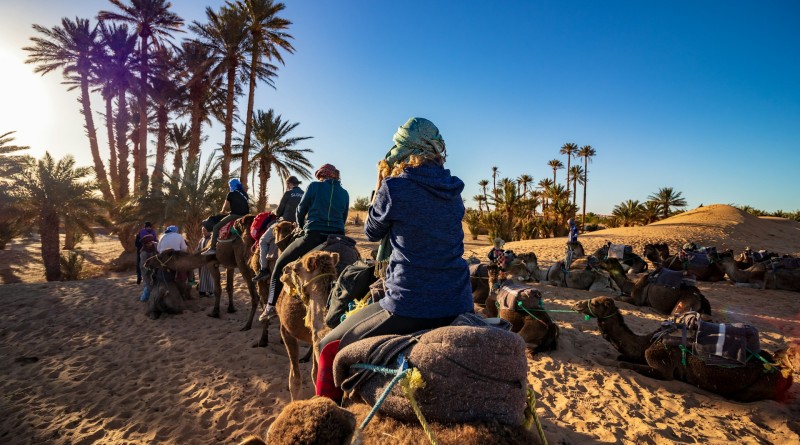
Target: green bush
x: 71, y: 265
x: 361, y: 204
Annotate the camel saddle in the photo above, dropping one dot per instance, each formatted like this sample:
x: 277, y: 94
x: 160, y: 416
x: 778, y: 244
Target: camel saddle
x: 718, y: 344
x: 226, y: 232
x: 619, y: 251
x: 472, y: 372
x: 511, y: 295
x: 785, y: 263
x: 667, y: 277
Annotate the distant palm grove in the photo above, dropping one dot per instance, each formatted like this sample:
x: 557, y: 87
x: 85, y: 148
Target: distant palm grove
x: 159, y: 95
x: 519, y: 209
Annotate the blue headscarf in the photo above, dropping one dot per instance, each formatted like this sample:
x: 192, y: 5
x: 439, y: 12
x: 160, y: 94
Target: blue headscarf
x: 171, y: 229
x: 234, y: 184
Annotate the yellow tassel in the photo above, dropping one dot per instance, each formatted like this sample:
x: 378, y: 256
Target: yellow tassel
x: 410, y: 384
x: 360, y: 304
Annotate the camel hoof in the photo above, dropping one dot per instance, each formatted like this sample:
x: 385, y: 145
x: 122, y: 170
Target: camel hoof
x: 259, y: 344
x: 214, y: 315
x: 231, y: 309
x: 245, y: 328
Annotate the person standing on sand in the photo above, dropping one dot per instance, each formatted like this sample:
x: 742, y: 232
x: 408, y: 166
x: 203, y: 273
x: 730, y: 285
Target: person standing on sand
x: 146, y: 230
x: 573, y: 238
x: 416, y: 214
x: 206, y: 286
x: 287, y: 209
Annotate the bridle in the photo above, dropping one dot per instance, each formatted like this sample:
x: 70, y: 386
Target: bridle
x: 592, y: 315
x: 300, y: 286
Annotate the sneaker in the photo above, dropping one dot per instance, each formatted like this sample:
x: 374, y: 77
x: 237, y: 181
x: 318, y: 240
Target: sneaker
x: 209, y: 252
x: 262, y: 275
x: 269, y: 312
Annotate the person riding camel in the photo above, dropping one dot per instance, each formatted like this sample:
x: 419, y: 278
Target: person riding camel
x: 321, y: 212
x: 287, y: 209
x: 267, y: 247
x: 416, y: 214
x: 238, y: 203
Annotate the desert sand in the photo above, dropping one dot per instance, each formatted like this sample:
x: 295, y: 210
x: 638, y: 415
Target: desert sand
x: 80, y: 363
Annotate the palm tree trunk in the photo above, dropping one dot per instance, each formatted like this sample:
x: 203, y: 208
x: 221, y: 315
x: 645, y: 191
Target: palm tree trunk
x: 124, y: 169
x: 585, y: 183
x: 568, y: 159
x: 112, y: 148
x: 51, y: 254
x: 99, y: 168
x: 195, y: 131
x: 162, y: 118
x: 226, y: 147
x: 263, y: 174
x: 177, y: 162
x: 143, y: 117
x: 248, y: 122
x: 69, y: 236
x: 574, y: 189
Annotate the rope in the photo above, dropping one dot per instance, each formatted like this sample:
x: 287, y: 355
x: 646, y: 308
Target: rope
x: 521, y: 306
x: 591, y: 314
x: 531, y: 416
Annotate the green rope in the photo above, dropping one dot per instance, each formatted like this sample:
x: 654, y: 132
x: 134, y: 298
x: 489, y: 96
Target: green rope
x: 398, y: 374
x: 684, y: 350
x: 768, y: 367
x: 521, y: 306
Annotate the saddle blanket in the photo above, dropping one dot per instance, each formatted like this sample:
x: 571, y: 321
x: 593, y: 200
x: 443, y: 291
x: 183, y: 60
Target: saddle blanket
x: 619, y: 251
x: 510, y: 295
x: 225, y: 231
x: 727, y: 344
x: 667, y: 277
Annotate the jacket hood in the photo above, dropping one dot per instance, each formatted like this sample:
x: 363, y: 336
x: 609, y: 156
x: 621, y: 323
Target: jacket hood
x: 436, y: 180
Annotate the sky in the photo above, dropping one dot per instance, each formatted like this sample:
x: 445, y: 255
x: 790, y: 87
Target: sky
x: 703, y: 97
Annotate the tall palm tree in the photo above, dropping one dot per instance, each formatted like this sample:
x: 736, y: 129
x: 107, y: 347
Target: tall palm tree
x: 71, y: 47
x: 178, y: 138
x: 203, y: 86
x: 484, y: 183
x: 666, y: 198
x: 495, y: 171
x: 274, y: 148
x: 628, y: 212
x: 479, y: 200
x: 115, y: 67
x: 167, y: 97
x: 556, y: 165
x: 587, y: 153
x: 545, y: 184
x: 568, y: 149
x: 576, y: 176
x: 10, y: 164
x: 267, y: 36
x: 154, y: 23
x: 226, y: 34
x: 525, y: 179
x: 52, y: 189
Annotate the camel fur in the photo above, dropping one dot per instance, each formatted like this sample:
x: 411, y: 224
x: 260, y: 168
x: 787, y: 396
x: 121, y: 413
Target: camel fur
x: 656, y: 253
x: 748, y: 383
x: 762, y: 275
x: 630, y: 263
x: 320, y: 421
x: 667, y: 300
x: 583, y: 279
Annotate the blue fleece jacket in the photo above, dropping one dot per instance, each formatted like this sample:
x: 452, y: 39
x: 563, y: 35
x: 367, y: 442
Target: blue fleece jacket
x: 421, y: 211
x: 324, y: 207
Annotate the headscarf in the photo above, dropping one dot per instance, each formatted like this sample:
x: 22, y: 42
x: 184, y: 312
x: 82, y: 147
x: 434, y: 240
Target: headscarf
x: 171, y: 229
x: 235, y: 184
x: 327, y: 171
x: 417, y: 137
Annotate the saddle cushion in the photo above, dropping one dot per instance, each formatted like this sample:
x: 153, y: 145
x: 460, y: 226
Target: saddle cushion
x: 510, y: 295
x: 619, y: 251
x: 225, y: 231
x: 667, y: 277
x: 728, y: 344
x: 788, y: 263
x: 471, y: 374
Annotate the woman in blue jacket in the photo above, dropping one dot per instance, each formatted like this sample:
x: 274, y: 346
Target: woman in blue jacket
x: 416, y: 213
x: 322, y: 211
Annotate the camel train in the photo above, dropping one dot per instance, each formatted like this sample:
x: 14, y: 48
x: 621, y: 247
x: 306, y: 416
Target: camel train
x: 508, y: 297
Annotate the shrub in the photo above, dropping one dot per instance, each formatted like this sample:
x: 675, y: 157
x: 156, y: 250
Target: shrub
x: 361, y: 204
x: 71, y: 265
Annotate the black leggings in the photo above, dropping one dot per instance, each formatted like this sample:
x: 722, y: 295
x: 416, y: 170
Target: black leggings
x: 374, y: 320
x: 297, y: 249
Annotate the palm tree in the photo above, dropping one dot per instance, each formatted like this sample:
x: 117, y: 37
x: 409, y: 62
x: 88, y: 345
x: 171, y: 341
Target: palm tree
x: 525, y: 179
x: 479, y: 200
x: 10, y: 165
x: 154, y: 22
x: 575, y: 174
x: 52, y: 191
x: 204, y: 87
x: 555, y: 164
x: 226, y: 33
x: 507, y: 202
x: 586, y: 152
x: 495, y: 171
x: 267, y: 35
x: 167, y: 96
x: 484, y: 183
x: 666, y: 198
x: 178, y: 138
x: 628, y: 212
x: 71, y: 47
x: 275, y: 149
x: 568, y: 149
x: 545, y: 184
x: 650, y: 212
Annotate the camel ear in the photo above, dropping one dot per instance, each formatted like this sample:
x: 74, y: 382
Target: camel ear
x: 334, y: 258
x: 310, y: 262
x: 607, y: 303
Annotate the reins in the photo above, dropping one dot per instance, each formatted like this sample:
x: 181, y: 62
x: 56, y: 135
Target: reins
x: 592, y: 315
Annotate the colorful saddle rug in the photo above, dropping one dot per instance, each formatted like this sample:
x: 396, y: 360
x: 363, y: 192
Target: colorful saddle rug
x: 721, y: 344
x: 226, y: 232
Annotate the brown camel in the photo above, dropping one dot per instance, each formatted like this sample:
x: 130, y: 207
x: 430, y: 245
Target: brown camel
x: 748, y: 383
x: 656, y: 253
x: 592, y: 278
x: 667, y: 300
x: 762, y: 275
x: 536, y: 327
x: 301, y: 309
x: 703, y: 266
x: 630, y: 261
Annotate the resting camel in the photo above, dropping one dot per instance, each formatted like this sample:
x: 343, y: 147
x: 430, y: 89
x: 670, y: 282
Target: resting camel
x: 656, y: 253
x: 763, y: 275
x: 630, y: 261
x: 479, y: 277
x: 167, y: 295
x: 583, y: 279
x: 704, y: 271
x: 301, y: 308
x: 667, y: 300
x: 748, y: 383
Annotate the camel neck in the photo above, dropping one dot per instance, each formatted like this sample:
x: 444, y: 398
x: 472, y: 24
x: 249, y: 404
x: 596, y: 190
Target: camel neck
x: 621, y: 336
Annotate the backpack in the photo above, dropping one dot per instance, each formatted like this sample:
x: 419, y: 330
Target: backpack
x: 260, y: 224
x: 353, y: 284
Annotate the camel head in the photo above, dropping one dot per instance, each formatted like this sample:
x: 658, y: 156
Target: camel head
x: 310, y: 279
x: 612, y: 266
x: 598, y: 307
x: 281, y: 231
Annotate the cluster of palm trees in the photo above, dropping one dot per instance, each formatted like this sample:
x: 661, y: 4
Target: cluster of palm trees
x: 510, y: 210
x: 658, y: 206
x: 149, y: 84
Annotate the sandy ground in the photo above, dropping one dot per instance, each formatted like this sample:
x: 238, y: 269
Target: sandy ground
x: 80, y: 363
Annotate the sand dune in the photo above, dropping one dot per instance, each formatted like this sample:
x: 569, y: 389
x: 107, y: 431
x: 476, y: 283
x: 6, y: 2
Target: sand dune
x: 81, y: 363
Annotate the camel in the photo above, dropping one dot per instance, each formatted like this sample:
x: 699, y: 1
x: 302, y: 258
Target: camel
x: 747, y: 383
x: 320, y: 421
x: 762, y: 275
x: 707, y: 269
x: 479, y: 277
x: 656, y: 253
x: 630, y: 261
x: 667, y: 300
x: 167, y: 295
x: 584, y: 279
x: 301, y: 308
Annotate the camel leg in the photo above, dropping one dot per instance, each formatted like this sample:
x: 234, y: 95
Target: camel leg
x: 262, y: 342
x: 307, y: 357
x: 248, y: 275
x: 229, y: 289
x: 624, y: 299
x: 295, y: 378
x: 215, y: 275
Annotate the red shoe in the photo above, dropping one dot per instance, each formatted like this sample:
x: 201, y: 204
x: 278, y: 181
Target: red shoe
x: 325, y: 385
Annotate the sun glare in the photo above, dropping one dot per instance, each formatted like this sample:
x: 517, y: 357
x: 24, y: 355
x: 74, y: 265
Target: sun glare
x: 26, y: 107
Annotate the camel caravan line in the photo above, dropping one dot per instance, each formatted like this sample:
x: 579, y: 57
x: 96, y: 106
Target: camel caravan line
x: 455, y: 384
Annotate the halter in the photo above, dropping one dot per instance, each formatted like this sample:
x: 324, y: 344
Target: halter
x: 300, y: 286
x: 591, y: 314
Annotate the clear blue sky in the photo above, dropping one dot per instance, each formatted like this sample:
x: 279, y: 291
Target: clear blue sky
x: 703, y: 97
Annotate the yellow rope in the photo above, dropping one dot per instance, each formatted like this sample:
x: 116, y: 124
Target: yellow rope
x: 410, y: 384
x: 359, y: 304
x: 531, y: 416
